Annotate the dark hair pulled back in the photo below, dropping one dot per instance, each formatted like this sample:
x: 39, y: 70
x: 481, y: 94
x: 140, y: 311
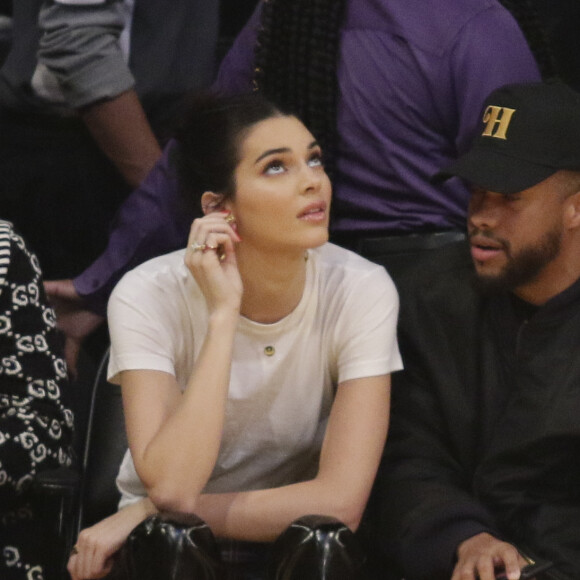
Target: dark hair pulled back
x: 209, y: 137
x: 296, y: 61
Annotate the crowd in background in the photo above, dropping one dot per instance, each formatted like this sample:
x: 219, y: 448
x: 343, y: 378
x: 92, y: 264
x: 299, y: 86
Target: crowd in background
x: 89, y: 190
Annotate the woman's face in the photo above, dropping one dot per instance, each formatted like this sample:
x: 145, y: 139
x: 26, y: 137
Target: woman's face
x: 282, y: 198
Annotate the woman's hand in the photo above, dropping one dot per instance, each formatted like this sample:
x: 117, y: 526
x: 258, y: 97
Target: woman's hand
x: 92, y: 556
x: 211, y: 259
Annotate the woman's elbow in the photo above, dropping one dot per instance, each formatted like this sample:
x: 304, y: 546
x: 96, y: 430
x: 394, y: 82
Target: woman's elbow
x: 353, y: 517
x: 348, y: 510
x: 168, y: 498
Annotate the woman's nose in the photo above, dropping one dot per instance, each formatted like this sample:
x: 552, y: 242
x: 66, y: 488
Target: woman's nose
x: 311, y: 178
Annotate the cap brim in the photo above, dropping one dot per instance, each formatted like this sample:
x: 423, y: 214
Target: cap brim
x: 495, y: 171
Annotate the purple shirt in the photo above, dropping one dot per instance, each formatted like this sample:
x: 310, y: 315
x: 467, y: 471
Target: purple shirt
x: 412, y: 75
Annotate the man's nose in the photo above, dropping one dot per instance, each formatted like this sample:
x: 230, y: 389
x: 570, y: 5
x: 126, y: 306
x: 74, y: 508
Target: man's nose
x: 484, y: 209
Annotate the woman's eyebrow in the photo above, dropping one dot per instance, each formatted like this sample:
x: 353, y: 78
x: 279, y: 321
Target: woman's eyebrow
x: 272, y: 152
x: 282, y: 150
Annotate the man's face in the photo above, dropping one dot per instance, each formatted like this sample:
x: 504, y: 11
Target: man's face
x: 514, y: 238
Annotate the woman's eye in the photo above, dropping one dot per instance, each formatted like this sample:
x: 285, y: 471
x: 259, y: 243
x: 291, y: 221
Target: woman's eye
x: 274, y: 168
x: 316, y: 161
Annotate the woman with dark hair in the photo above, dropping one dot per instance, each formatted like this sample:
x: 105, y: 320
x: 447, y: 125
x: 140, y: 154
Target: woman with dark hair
x: 255, y: 364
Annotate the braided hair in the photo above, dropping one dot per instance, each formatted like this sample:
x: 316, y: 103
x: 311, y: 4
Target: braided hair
x: 296, y: 60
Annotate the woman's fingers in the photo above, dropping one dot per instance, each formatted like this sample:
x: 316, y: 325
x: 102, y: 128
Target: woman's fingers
x: 215, y: 248
x: 211, y: 259
x: 89, y: 559
x: 201, y: 228
x: 215, y: 232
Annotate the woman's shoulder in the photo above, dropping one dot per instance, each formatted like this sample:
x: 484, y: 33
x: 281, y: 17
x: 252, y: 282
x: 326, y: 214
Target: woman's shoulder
x: 160, y: 290
x: 164, y: 274
x: 167, y: 266
x: 337, y: 259
x: 341, y: 268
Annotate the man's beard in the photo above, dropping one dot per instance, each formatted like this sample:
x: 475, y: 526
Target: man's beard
x: 523, y: 267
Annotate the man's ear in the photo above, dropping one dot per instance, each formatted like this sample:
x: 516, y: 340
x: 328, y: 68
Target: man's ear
x: 572, y: 216
x: 211, y: 202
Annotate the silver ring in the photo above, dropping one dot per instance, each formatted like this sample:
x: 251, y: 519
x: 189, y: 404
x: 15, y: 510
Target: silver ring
x: 198, y: 247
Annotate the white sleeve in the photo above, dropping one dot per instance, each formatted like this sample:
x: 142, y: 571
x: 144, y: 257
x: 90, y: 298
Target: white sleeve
x: 366, y: 331
x: 140, y: 320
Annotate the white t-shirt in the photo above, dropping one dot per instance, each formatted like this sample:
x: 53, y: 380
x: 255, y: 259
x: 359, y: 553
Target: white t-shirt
x: 283, y: 375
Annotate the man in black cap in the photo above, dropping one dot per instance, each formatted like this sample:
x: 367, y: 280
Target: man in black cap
x: 482, y: 468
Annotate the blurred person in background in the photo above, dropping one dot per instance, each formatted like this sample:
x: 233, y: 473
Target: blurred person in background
x: 86, y: 94
x: 36, y: 423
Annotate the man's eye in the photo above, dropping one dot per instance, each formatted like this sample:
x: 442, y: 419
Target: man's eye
x: 274, y: 168
x: 511, y: 197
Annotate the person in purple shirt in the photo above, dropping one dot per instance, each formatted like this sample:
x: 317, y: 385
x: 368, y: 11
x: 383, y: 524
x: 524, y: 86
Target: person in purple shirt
x: 392, y: 90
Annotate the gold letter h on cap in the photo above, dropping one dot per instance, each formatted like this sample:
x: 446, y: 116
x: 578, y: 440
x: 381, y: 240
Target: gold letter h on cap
x: 497, y: 118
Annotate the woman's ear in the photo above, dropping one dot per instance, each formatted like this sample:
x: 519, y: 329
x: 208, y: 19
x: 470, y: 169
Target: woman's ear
x: 211, y: 202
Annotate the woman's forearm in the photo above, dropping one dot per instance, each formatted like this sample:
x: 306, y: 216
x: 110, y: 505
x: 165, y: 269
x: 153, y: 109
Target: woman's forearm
x: 349, y: 458
x: 262, y: 515
x: 177, y: 461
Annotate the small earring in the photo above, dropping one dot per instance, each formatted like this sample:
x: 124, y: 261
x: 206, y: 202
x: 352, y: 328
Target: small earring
x: 230, y: 219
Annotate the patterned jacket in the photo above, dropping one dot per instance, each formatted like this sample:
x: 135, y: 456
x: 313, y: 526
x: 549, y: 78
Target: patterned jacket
x: 35, y: 424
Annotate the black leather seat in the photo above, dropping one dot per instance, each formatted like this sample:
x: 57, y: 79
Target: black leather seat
x: 104, y: 449
x: 77, y: 497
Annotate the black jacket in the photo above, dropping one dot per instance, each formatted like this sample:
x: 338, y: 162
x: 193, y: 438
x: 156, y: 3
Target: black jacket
x: 485, y: 424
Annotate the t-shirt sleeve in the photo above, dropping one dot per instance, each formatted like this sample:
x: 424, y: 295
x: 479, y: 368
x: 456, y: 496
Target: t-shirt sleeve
x: 366, y: 332
x: 140, y: 316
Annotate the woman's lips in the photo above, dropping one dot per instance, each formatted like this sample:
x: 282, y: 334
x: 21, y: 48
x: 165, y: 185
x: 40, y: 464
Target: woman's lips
x: 314, y: 212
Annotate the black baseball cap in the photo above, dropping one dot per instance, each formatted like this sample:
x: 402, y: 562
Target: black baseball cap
x: 530, y: 131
